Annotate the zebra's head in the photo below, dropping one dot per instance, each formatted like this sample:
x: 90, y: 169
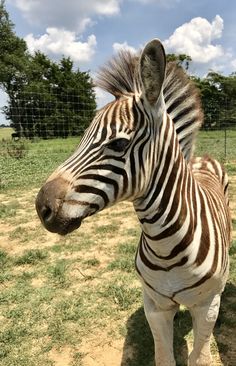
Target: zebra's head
x: 112, y: 160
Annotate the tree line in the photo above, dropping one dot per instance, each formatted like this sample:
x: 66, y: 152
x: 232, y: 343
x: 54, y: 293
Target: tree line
x: 217, y: 93
x: 54, y: 99
x: 45, y: 98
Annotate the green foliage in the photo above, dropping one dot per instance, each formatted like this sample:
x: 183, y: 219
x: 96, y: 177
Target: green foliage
x: 46, y: 99
x: 218, y: 96
x: 181, y: 60
x: 54, y: 100
x: 13, y: 51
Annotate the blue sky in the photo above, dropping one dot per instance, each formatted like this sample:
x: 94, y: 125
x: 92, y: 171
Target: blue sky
x: 90, y: 31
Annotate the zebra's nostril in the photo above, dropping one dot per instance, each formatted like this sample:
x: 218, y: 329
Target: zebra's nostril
x: 46, y: 213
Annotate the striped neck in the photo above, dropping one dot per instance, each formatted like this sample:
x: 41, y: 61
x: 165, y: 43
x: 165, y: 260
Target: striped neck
x: 163, y: 211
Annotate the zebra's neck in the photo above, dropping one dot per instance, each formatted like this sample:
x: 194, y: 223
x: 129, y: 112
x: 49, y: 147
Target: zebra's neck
x: 164, y: 211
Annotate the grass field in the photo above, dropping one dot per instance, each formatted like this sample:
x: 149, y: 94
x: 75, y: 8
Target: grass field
x: 76, y: 300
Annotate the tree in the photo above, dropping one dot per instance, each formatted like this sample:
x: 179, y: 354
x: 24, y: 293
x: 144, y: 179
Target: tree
x: 13, y: 52
x: 181, y: 60
x: 226, y: 86
x: 46, y: 99
x: 211, y: 102
x: 51, y: 99
x: 218, y: 95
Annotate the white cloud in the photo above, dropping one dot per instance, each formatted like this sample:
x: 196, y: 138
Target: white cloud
x: 196, y: 39
x: 71, y: 14
x: 163, y: 3
x: 64, y: 21
x: 85, y: 23
x: 58, y: 42
x: 105, y: 7
x: 121, y: 46
x: 233, y: 64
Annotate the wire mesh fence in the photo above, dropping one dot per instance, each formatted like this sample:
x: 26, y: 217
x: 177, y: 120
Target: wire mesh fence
x: 220, y: 144
x: 43, y: 131
x: 49, y: 114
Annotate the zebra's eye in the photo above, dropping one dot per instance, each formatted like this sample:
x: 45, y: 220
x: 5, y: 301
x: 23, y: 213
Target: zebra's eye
x: 118, y: 145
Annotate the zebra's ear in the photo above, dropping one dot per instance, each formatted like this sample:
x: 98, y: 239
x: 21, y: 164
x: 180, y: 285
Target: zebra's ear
x: 152, y: 70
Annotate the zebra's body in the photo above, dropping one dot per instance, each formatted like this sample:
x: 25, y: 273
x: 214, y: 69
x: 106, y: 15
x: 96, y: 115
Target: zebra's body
x: 185, y: 226
x: 139, y: 148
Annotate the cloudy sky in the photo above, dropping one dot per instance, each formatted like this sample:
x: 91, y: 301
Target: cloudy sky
x: 90, y: 31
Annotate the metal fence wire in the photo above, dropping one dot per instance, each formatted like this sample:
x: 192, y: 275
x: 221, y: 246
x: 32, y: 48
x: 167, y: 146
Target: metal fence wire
x: 37, y: 116
x: 51, y: 114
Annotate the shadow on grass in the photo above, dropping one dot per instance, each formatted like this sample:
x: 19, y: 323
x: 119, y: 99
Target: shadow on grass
x: 224, y: 331
x: 139, y: 349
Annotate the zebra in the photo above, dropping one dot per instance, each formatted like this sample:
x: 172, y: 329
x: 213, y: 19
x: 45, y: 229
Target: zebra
x: 139, y: 148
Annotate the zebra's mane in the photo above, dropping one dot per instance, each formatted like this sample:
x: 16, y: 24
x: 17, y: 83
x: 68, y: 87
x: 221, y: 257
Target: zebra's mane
x: 120, y: 77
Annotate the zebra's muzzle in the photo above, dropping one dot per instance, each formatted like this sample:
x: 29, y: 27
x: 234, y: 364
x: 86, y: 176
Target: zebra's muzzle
x: 49, y: 204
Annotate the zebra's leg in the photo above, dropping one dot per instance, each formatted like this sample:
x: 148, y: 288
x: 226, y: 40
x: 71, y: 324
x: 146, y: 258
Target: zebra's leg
x: 204, y: 318
x: 161, y: 324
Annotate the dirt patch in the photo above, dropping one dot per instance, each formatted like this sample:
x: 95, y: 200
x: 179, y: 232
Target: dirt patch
x: 100, y: 351
x: 61, y: 357
x: 37, y: 282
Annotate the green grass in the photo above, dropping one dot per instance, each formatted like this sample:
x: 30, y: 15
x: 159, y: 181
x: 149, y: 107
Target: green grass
x: 93, y: 262
x: 3, y: 258
x: 9, y: 209
x: 43, y: 156
x: 58, y: 272
x: 124, y: 259
x: 31, y: 257
x: 213, y: 143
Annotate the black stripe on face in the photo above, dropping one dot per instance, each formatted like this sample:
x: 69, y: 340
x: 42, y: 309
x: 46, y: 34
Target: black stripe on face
x: 103, y: 179
x: 93, y: 190
x: 114, y: 169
